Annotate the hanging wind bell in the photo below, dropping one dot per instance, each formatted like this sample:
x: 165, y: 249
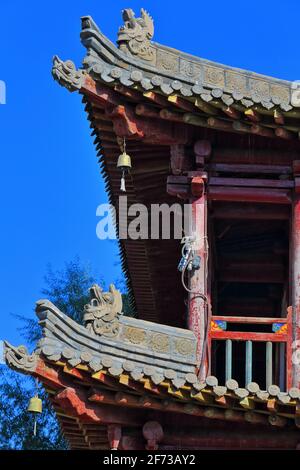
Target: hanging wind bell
x: 124, y: 163
x: 35, y: 406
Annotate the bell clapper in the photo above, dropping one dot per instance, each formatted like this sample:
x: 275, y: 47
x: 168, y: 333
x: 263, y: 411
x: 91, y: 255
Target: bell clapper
x: 122, y: 187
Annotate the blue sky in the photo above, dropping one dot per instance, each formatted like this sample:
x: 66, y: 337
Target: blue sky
x: 50, y: 184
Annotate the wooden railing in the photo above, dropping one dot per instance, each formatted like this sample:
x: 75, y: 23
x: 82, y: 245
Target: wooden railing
x: 281, y: 333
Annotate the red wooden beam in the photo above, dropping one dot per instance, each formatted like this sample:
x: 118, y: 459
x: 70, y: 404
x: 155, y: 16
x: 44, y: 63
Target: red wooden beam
x: 254, y: 320
x: 74, y: 402
x: 50, y: 376
x: 272, y: 196
x: 249, y: 211
x: 226, y: 167
x: 256, y: 156
x: 252, y: 273
x: 127, y: 123
x: 250, y: 182
x: 245, y: 336
x: 229, y: 439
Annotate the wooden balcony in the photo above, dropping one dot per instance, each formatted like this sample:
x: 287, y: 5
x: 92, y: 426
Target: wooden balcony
x: 231, y: 330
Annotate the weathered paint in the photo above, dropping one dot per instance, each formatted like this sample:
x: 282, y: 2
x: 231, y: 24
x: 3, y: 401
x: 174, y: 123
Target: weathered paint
x: 198, y: 307
x: 295, y: 258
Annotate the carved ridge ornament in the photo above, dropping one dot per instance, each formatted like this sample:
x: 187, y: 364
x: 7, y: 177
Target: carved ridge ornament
x: 101, y: 315
x: 160, y: 342
x: 184, y: 346
x: 135, y: 335
x: 136, y: 34
x: 66, y: 74
x: 18, y: 358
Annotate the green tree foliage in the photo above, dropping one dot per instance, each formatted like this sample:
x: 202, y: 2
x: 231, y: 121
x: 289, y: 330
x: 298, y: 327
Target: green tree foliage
x: 16, y: 429
x: 68, y: 289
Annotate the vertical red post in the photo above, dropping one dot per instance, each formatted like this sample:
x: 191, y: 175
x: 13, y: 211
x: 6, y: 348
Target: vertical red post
x: 295, y: 259
x: 198, y: 301
x: 114, y: 435
x: 289, y: 375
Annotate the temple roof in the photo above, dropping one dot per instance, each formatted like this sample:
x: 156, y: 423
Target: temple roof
x: 150, y: 65
x: 163, y: 101
x: 118, y: 369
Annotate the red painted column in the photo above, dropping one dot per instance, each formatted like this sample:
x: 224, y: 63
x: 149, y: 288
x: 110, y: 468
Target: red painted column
x: 295, y: 260
x: 198, y: 282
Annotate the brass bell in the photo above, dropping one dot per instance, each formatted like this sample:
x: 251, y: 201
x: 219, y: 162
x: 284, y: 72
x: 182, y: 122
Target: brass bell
x: 35, y: 405
x: 124, y: 162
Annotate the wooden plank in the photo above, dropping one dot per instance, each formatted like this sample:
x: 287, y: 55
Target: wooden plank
x: 267, y: 195
x: 238, y: 438
x: 258, y: 156
x: 170, y: 115
x: 250, y: 211
x: 250, y: 168
x: 251, y: 320
x: 250, y: 182
x: 257, y: 275
x: 244, y: 336
x: 147, y: 111
x: 190, y: 118
x: 219, y: 124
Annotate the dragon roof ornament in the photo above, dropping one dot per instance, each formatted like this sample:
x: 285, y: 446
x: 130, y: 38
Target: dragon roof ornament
x: 101, y: 315
x: 19, y: 359
x: 66, y: 74
x: 136, y: 34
